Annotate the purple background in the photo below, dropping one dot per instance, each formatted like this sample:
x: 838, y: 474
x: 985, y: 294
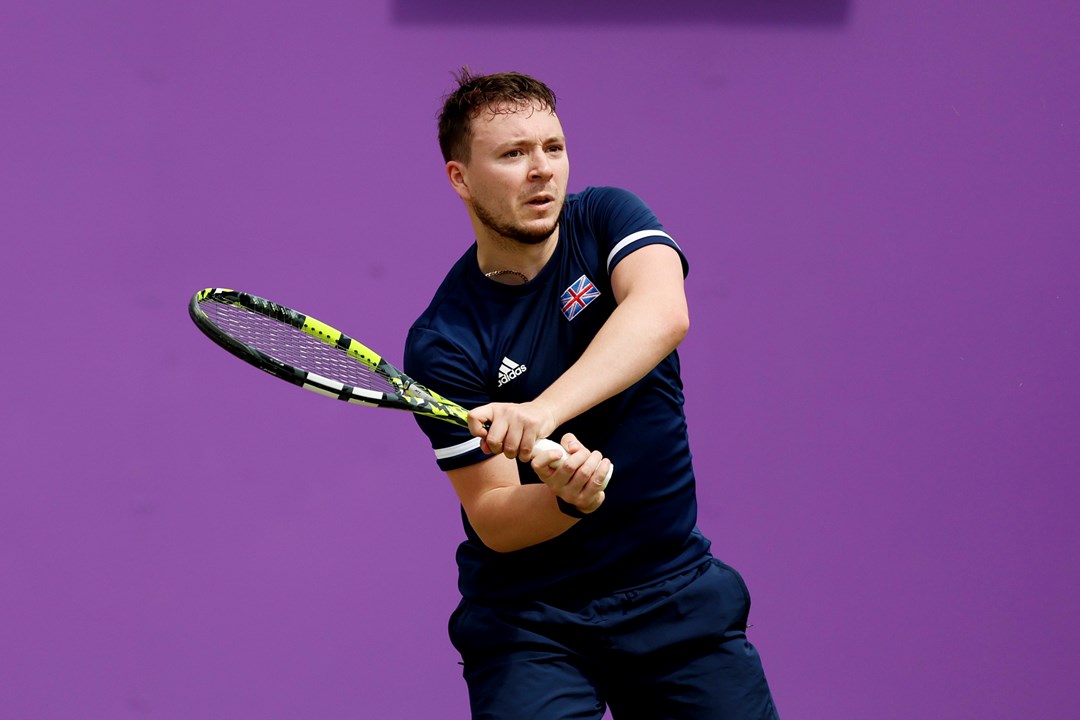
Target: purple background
x: 880, y: 203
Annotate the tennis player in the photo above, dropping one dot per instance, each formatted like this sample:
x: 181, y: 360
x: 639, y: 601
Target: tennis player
x: 562, y: 320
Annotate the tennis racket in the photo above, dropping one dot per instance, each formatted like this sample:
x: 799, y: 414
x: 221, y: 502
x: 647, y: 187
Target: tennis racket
x: 308, y: 353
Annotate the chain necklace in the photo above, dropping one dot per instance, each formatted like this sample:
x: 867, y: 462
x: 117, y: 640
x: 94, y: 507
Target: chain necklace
x: 499, y: 273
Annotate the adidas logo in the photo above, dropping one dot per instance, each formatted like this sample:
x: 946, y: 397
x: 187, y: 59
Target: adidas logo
x: 509, y: 370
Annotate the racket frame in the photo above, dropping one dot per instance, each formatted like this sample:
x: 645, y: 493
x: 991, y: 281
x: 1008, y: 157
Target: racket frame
x: 407, y: 395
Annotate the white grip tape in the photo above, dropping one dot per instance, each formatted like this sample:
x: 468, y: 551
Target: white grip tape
x: 543, y: 445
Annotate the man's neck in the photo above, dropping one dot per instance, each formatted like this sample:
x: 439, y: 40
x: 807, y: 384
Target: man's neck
x: 513, y: 258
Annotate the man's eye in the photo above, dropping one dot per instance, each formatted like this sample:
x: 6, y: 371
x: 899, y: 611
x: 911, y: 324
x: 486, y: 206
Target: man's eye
x: 513, y: 154
x: 555, y: 148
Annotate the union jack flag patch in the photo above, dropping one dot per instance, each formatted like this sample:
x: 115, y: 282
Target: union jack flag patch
x: 577, y: 296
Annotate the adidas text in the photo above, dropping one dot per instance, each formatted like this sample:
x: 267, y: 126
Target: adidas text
x: 509, y: 371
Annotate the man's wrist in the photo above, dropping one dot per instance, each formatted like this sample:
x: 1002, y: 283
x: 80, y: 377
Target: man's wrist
x: 569, y: 509
x: 547, y: 408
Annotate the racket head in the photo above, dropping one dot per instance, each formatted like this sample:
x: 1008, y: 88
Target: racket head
x: 309, y: 353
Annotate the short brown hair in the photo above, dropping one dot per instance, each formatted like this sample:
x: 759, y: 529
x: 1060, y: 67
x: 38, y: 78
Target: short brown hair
x: 477, y: 92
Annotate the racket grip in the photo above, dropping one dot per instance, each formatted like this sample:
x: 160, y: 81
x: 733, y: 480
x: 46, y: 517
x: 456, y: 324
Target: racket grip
x: 543, y: 445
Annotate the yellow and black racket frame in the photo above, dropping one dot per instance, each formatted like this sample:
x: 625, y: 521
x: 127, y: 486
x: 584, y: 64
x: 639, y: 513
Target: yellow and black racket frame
x: 407, y: 394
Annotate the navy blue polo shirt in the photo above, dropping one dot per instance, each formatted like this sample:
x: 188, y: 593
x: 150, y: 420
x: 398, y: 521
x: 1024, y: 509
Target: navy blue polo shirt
x: 481, y: 341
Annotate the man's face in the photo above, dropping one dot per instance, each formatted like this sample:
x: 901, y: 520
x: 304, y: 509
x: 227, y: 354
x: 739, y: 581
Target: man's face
x: 515, y: 180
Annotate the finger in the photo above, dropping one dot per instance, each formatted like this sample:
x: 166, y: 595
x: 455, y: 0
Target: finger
x: 603, y: 474
x: 589, y: 478
x: 523, y: 442
x: 527, y: 450
x: 549, y: 452
x: 554, y: 466
x: 540, y: 465
x: 571, y: 444
x: 495, y: 437
x: 571, y: 476
x: 479, y: 420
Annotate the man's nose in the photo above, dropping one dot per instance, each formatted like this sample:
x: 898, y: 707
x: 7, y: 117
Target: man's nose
x: 540, y: 165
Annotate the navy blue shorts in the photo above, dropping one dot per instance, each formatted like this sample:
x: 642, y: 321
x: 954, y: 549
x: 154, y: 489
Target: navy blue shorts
x: 676, y: 650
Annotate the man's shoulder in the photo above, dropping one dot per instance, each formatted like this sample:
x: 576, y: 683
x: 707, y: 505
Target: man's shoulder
x: 439, y: 332
x: 447, y: 309
x: 598, y: 194
x: 605, y: 201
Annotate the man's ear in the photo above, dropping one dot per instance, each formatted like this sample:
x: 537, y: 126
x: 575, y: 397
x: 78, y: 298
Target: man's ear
x: 455, y: 172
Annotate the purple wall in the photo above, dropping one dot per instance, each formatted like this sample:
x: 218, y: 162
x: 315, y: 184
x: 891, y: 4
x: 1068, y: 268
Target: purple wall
x: 880, y: 203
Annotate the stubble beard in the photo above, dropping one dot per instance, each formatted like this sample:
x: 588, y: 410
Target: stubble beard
x: 515, y: 233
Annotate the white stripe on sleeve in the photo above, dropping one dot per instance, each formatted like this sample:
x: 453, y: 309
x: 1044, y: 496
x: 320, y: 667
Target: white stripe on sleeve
x: 459, y: 449
x: 633, y: 238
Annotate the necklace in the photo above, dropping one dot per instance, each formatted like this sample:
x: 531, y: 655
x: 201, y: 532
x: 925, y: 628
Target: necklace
x: 499, y: 273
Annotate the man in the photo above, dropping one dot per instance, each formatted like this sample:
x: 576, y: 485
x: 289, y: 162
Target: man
x: 562, y: 320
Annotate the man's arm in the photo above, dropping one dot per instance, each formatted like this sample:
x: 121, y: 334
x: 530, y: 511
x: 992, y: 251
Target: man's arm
x: 649, y: 321
x: 510, y: 516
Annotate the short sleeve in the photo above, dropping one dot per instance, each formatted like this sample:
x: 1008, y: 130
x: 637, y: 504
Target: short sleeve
x: 626, y: 224
x: 439, y: 364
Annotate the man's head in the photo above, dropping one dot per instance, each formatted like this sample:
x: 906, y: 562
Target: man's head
x: 506, y: 156
x: 477, y: 94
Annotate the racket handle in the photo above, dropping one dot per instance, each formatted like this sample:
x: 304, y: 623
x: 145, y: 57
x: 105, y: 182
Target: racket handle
x: 543, y: 445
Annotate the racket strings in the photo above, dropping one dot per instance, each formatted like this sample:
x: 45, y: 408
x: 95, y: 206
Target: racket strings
x: 293, y: 347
